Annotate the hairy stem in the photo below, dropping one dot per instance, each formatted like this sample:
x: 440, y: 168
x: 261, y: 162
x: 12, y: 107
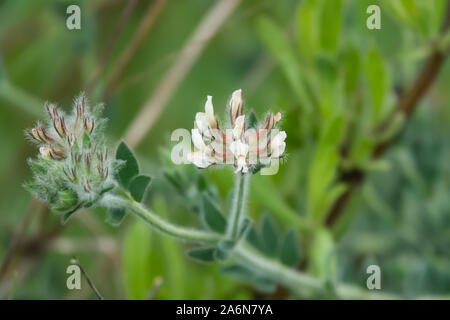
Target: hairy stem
x: 160, y: 224
x: 300, y: 283
x: 238, y: 207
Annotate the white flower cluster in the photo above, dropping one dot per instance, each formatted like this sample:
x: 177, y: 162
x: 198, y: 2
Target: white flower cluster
x: 238, y: 145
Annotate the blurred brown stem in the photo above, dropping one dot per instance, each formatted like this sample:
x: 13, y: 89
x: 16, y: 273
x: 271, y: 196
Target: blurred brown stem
x: 153, y: 12
x: 17, y: 239
x: 194, y: 46
x: 111, y: 43
x: 406, y: 105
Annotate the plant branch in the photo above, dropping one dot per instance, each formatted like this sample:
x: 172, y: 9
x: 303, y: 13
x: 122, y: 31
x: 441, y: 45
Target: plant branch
x: 406, y: 105
x: 295, y: 280
x: 18, y: 237
x: 160, y: 224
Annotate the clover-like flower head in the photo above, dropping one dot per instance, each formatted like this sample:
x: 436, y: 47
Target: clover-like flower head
x: 73, y: 168
x: 240, y: 145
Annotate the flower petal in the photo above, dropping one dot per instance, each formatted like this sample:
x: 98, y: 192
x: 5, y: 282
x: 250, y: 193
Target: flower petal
x: 209, y: 109
x: 198, y: 140
x: 199, y: 159
x: 202, y: 123
x: 235, y: 105
x: 239, y: 149
x: 278, y: 145
x: 238, y: 127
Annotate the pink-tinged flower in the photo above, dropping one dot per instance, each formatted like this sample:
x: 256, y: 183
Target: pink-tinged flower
x: 238, y: 145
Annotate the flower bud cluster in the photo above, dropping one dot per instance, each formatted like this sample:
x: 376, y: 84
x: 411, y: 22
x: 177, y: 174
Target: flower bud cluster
x: 73, y: 168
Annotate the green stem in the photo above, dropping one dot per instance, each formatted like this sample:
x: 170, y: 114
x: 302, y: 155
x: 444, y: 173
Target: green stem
x: 162, y: 225
x: 238, y: 206
x: 300, y: 283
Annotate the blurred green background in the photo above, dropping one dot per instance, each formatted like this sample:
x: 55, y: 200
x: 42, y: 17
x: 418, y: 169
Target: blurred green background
x: 337, y: 83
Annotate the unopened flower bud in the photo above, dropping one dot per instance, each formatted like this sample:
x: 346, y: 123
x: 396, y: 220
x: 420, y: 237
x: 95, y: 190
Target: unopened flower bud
x: 239, y: 127
x: 209, y: 109
x: 60, y: 127
x: 236, y: 105
x: 52, y: 111
x: 35, y: 135
x: 269, y: 123
x: 45, y: 152
x: 88, y: 124
x: 58, y: 153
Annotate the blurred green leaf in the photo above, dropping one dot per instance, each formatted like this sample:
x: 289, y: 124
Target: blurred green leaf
x: 244, y: 274
x: 264, y: 190
x: 323, y: 170
x: 323, y: 261
x: 212, y: 215
x: 173, y: 176
x: 290, y: 251
x: 281, y: 49
x: 238, y: 272
x: 378, y: 79
x: 330, y: 26
x: 308, y: 28
x: 269, y: 236
x: 264, y: 284
x: 253, y: 237
x: 361, y: 149
x: 201, y: 183
x: 351, y: 68
x: 136, y: 263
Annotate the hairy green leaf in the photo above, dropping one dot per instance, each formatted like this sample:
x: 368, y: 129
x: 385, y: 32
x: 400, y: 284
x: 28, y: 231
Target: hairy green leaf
x: 269, y: 236
x: 138, y: 187
x: 290, y: 252
x: 131, y: 167
x: 212, y: 215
